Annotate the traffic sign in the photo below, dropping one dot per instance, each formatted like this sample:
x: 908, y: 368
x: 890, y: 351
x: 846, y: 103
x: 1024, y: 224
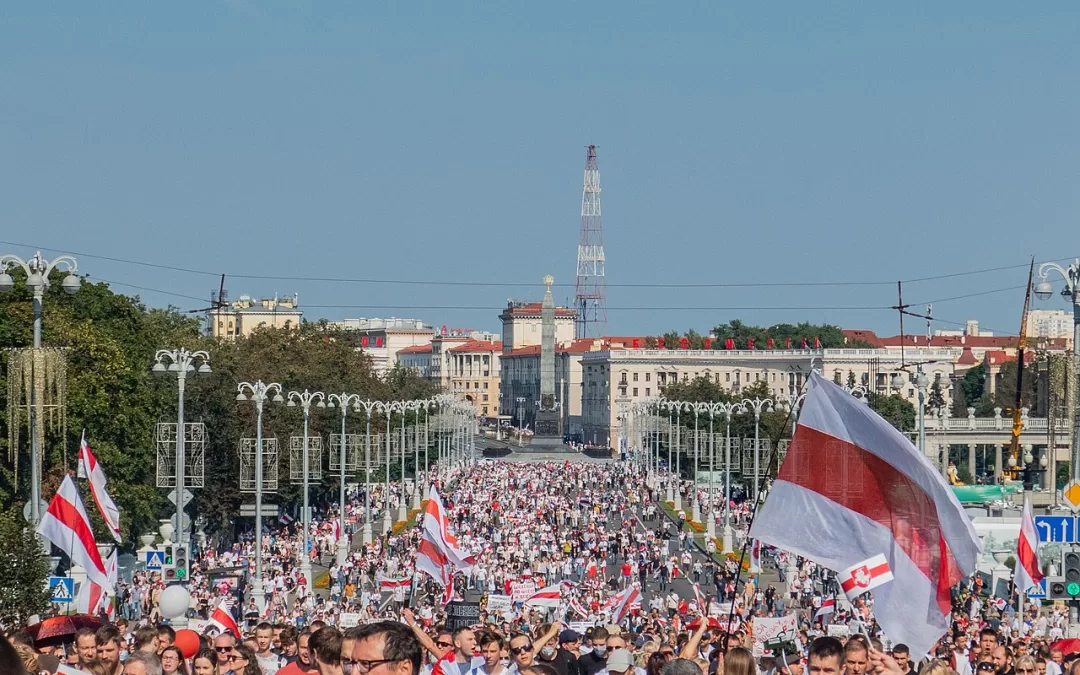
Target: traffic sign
x: 188, y: 496
x: 154, y: 560
x: 1056, y: 529
x: 1070, y: 494
x: 62, y: 589
x: 1037, y: 591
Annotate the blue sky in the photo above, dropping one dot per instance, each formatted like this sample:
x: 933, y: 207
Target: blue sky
x: 750, y: 144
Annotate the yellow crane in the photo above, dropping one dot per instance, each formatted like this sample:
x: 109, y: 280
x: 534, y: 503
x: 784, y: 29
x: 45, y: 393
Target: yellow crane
x: 1013, y: 470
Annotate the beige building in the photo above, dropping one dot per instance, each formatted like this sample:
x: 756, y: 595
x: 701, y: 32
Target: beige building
x: 383, y: 339
x: 521, y: 325
x: 241, y: 317
x: 473, y: 369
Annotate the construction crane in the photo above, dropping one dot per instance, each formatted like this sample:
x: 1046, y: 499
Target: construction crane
x: 1013, y: 470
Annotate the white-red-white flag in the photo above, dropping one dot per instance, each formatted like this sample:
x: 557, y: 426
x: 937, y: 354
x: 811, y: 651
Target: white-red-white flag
x: 66, y: 525
x: 223, y: 619
x: 390, y: 583
x: 852, y: 487
x: 93, y: 598
x: 864, y: 576
x: 622, y: 602
x: 577, y: 608
x: 437, y: 525
x: 91, y: 470
x: 1028, y: 570
x: 546, y: 597
x: 828, y: 606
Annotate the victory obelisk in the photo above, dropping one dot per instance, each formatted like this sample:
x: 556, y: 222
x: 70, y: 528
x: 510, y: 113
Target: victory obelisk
x: 548, y: 429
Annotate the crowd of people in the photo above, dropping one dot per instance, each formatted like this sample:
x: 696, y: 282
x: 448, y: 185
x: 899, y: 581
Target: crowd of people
x: 594, y: 532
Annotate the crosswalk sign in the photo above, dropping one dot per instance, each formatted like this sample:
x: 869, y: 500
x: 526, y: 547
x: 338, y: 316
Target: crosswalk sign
x: 154, y: 561
x: 62, y: 589
x: 1037, y: 591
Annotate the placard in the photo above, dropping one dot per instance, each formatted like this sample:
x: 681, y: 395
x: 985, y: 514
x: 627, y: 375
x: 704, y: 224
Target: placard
x: 838, y: 630
x: 349, y: 619
x: 768, y: 629
x: 580, y: 626
x: 498, y: 603
x: 521, y: 591
x: 462, y: 615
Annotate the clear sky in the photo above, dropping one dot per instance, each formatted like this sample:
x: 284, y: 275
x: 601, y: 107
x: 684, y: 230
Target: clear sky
x: 743, y: 143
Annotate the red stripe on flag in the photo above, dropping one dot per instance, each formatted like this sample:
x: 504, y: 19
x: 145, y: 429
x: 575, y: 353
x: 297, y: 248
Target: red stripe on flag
x: 429, y: 549
x: 856, y: 479
x: 849, y: 583
x: 65, y: 512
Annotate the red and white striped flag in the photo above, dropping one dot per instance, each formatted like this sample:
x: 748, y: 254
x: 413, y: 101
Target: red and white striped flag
x: 66, y: 525
x: 577, y: 608
x: 92, y: 597
x: 1028, y: 571
x: 390, y: 583
x: 223, y: 619
x: 91, y: 470
x: 699, y: 598
x: 546, y: 597
x: 864, y: 576
x: 828, y: 606
x: 622, y: 602
x: 860, y: 489
x: 439, y: 554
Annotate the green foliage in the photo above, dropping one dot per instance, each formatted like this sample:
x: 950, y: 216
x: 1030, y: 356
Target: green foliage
x: 110, y: 342
x: 971, y: 385
x: 830, y: 336
x: 897, y: 410
x: 936, y: 399
x: 24, y: 571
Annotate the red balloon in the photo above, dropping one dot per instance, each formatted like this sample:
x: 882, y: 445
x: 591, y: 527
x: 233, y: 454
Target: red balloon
x: 188, y: 642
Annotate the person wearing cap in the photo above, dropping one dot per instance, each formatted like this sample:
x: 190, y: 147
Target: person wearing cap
x: 620, y: 662
x: 561, y: 657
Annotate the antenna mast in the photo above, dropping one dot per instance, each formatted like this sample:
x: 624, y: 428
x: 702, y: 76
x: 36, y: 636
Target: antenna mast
x: 590, y: 296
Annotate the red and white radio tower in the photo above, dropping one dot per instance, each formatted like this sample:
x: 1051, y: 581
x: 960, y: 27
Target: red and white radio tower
x: 590, y: 297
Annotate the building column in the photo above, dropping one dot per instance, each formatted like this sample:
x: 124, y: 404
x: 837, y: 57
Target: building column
x: 997, y: 462
x: 971, y: 461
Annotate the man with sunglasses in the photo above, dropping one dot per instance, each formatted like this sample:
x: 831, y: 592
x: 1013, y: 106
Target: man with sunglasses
x: 223, y: 647
x: 523, y: 649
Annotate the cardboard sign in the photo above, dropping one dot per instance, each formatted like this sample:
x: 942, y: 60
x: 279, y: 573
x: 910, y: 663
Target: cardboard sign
x: 462, y: 615
x: 520, y: 591
x: 772, y: 630
x: 349, y: 619
x: 498, y: 603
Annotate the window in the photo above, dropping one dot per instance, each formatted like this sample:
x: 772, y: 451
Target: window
x: 648, y: 392
x: 648, y: 376
x: 622, y: 391
x: 635, y: 377
x: 635, y: 391
x: 727, y: 377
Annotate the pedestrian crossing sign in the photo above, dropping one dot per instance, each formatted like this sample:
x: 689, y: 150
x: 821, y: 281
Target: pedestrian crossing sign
x: 62, y: 589
x: 1037, y: 591
x: 154, y: 561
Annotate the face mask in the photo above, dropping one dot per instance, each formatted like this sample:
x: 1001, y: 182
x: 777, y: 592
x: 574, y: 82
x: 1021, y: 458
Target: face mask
x: 583, y: 650
x: 601, y: 650
x: 547, y: 652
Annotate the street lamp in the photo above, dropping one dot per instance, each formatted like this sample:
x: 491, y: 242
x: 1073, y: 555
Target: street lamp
x: 37, y: 271
x: 390, y: 408
x: 180, y: 363
x: 921, y: 382
x: 758, y: 405
x: 342, y: 401
x: 403, y: 506
x: 695, y: 505
x: 368, y: 406
x: 728, y: 409
x: 1071, y: 292
x: 305, y: 399
x: 258, y: 392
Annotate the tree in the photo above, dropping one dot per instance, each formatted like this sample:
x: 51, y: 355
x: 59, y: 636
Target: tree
x: 896, y: 410
x: 851, y: 379
x: 936, y: 400
x: 24, y: 571
x: 829, y: 335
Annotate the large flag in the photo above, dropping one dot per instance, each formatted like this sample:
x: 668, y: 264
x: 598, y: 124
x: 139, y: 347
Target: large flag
x: 853, y: 487
x: 546, y: 597
x: 223, y: 619
x: 388, y: 584
x: 91, y: 470
x: 622, y: 602
x: 1028, y: 571
x: 66, y: 525
x: 437, y: 525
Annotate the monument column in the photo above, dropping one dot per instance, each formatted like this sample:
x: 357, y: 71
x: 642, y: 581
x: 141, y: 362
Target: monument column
x: 997, y: 463
x: 971, y: 460
x: 548, y: 424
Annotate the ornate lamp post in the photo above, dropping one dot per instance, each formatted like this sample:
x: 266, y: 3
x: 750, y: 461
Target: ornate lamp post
x: 728, y: 409
x: 758, y: 405
x: 37, y: 271
x: 368, y: 407
x: 305, y: 399
x: 259, y: 392
x: 342, y: 401
x: 180, y: 363
x: 403, y: 507
x: 1071, y: 292
x: 389, y: 408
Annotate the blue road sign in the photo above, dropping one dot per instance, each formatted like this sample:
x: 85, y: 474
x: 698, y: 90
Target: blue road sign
x: 154, y: 561
x: 1058, y: 529
x: 1038, y: 591
x: 62, y: 589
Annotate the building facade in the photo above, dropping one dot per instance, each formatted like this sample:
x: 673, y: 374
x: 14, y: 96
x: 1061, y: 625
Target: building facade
x: 473, y: 370
x: 1050, y: 323
x: 521, y: 325
x: 382, y: 339
x: 243, y: 316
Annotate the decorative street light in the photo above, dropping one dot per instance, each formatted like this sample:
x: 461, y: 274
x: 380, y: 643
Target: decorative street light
x: 390, y: 408
x: 342, y: 401
x: 180, y: 363
x: 695, y: 505
x: 403, y: 506
x: 758, y: 405
x: 37, y: 271
x: 728, y: 409
x: 1071, y: 292
x: 258, y: 392
x: 368, y: 406
x: 305, y: 399
x: 670, y: 406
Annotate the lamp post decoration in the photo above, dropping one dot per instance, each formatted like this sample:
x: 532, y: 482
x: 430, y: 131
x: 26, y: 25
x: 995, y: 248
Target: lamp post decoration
x: 259, y: 392
x: 758, y: 406
x: 37, y: 270
x: 180, y: 362
x: 342, y: 401
x: 304, y: 399
x: 1071, y: 292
